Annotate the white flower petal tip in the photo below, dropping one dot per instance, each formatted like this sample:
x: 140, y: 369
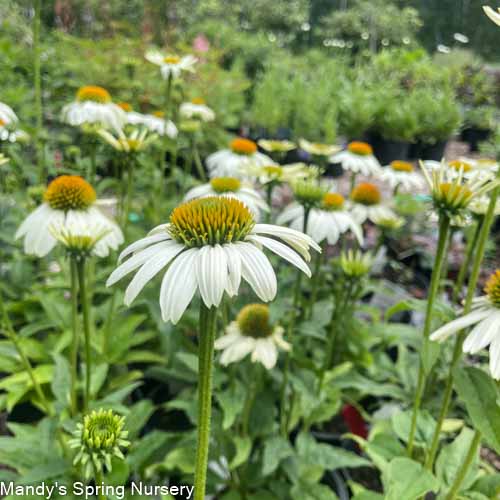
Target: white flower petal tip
x: 492, y: 14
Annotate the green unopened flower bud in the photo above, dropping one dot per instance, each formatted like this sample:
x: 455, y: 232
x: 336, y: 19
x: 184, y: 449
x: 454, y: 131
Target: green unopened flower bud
x: 99, y: 439
x: 355, y: 264
x: 190, y: 126
x: 308, y: 193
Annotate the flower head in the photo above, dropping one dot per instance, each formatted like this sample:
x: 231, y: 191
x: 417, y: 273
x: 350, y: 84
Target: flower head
x: 317, y: 148
x: 210, y: 245
x: 308, y: 193
x: 356, y: 264
x: 358, y: 158
x: 402, y: 173
x: 197, y: 110
x: 485, y: 316
x: 98, y: 440
x: 135, y: 142
x: 69, y: 202
x: 93, y: 93
x: 366, y: 200
x: 252, y: 333
x: 452, y: 194
x: 274, y: 146
x: 283, y: 173
x: 171, y: 65
x: 360, y: 148
x: 243, y: 146
x: 155, y: 123
x: 7, y: 115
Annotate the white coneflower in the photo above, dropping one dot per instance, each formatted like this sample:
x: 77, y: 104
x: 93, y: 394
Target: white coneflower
x: 453, y: 193
x: 355, y: 263
x: 252, y: 333
x: 7, y: 115
x: 230, y: 186
x: 68, y: 200
x: 485, y: 315
x: 171, y: 65
x: 235, y: 161
x: 327, y: 222
x: 290, y: 173
x: 155, y: 122
x: 210, y: 245
x: 318, y: 148
x: 8, y: 125
x: 366, y: 202
x: 134, y: 142
x: 464, y: 168
x: 93, y: 106
x: 402, y: 174
x: 479, y: 206
x: 358, y: 158
x: 492, y: 14
x: 275, y: 146
x: 197, y: 110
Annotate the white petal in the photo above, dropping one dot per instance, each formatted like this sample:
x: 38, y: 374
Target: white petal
x: 149, y: 270
x: 234, y: 269
x: 178, y: 286
x: 212, y: 274
x: 495, y: 358
x: 143, y: 243
x: 257, y: 271
x: 266, y: 352
x: 482, y: 334
x: 238, y: 350
x: 228, y: 339
x: 458, y: 324
x: 283, y: 251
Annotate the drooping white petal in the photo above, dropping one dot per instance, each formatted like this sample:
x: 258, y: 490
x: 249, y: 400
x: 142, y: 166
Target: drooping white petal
x: 483, y: 333
x: 266, y: 352
x: 495, y: 358
x: 234, y: 270
x: 212, y: 274
x: 143, y: 243
x: 178, y: 286
x: 257, y: 271
x: 237, y: 350
x: 458, y: 324
x: 149, y: 270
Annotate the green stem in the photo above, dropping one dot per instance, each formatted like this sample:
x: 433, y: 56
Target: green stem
x: 75, y: 340
x: 254, y: 389
x: 86, y: 328
x: 12, y: 336
x: 464, y: 469
x: 444, y: 227
x: 479, y: 248
x: 208, y: 318
x: 197, y: 160
x: 93, y: 160
x: 99, y: 481
x: 38, y: 90
x: 464, y: 268
x: 353, y: 180
x: 128, y: 199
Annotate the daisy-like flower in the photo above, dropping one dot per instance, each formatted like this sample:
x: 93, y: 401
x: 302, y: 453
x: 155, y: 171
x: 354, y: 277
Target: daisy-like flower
x: 235, y: 161
x: 402, y: 173
x: 318, y: 149
x: 358, y: 158
x: 274, y: 146
x: 485, y: 315
x: 283, y: 173
x: 492, y: 14
x: 8, y: 125
x: 134, y: 142
x: 155, y: 122
x: 461, y: 167
x: 366, y: 202
x: 453, y: 193
x: 171, y: 65
x: 210, y: 245
x: 232, y: 187
x: 7, y: 115
x: 93, y: 106
x: 479, y: 206
x: 389, y: 223
x: 252, y: 333
x: 69, y: 201
x: 327, y: 222
x: 197, y: 110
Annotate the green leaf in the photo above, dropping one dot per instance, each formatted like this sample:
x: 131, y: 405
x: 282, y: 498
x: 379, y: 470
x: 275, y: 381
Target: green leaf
x: 243, y: 447
x: 401, y: 423
x: 408, y: 480
x: 480, y: 395
x: 232, y: 401
x: 42, y: 472
x: 61, y: 383
x: 312, y: 492
x: 452, y: 457
x: 182, y: 459
x: 276, y: 449
x: 138, y: 416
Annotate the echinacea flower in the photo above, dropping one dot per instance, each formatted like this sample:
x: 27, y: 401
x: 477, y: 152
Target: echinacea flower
x: 455, y: 168
x: 485, y: 315
x: 235, y: 161
x: 198, y: 110
x: 453, y: 193
x: 356, y: 264
x: 93, y: 106
x: 7, y: 114
x: 134, y: 142
x: 232, y: 187
x: 252, y: 333
x: 98, y: 440
x: 479, y: 206
x: 366, y: 202
x: 290, y: 173
x: 492, y: 14
x: 275, y: 146
x: 210, y: 245
x: 155, y: 122
x: 8, y: 125
x: 358, y: 158
x: 68, y: 200
x: 318, y: 148
x: 171, y: 65
x: 327, y: 222
x: 402, y: 173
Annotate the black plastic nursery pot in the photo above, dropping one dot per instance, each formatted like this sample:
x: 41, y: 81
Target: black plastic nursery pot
x: 387, y: 150
x: 432, y: 151
x: 473, y: 136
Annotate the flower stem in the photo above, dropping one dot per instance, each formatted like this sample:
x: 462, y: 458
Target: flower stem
x: 479, y: 248
x: 93, y: 159
x: 205, y: 362
x: 252, y: 394
x: 464, y: 469
x: 464, y: 268
x: 38, y: 91
x: 99, y: 482
x: 75, y: 340
x: 86, y: 328
x: 444, y: 227
x: 197, y: 160
x: 12, y: 336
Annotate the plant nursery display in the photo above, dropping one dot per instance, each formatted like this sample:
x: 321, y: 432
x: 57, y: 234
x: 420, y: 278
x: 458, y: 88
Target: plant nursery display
x: 247, y: 255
